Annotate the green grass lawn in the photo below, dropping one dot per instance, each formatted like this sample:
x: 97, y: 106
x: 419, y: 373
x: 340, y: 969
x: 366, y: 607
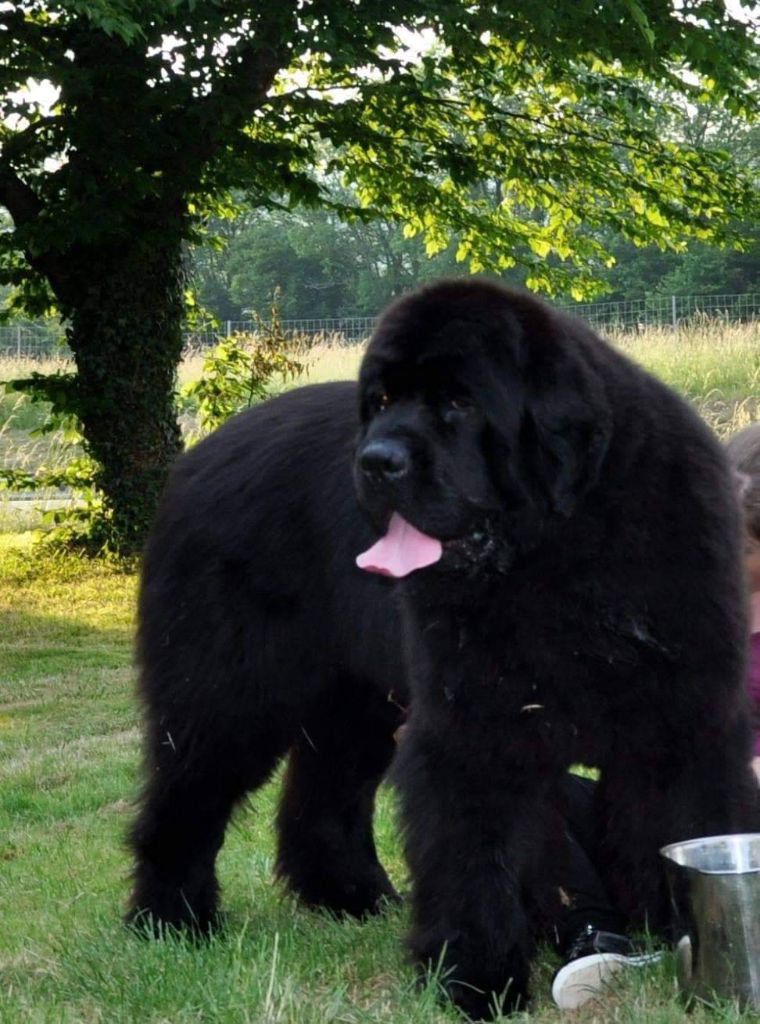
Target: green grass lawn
x: 69, y: 746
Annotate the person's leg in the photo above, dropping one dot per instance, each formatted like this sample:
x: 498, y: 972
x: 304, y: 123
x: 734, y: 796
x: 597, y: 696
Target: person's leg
x: 590, y: 932
x: 583, y: 895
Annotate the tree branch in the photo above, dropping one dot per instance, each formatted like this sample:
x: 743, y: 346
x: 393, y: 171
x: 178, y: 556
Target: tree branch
x: 17, y: 197
x: 25, y: 206
x: 236, y: 94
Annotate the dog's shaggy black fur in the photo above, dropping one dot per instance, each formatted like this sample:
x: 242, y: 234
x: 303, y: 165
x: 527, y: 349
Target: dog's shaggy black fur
x: 588, y: 607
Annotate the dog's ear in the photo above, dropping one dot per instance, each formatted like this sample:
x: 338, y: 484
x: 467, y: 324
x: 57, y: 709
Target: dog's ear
x: 742, y: 484
x: 565, y: 429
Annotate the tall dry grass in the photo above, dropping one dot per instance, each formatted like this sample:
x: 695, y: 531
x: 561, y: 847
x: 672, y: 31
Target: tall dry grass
x: 716, y: 365
x: 20, y: 418
x: 324, y: 356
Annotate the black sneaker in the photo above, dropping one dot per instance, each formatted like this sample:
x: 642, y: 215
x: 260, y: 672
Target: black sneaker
x: 592, y: 961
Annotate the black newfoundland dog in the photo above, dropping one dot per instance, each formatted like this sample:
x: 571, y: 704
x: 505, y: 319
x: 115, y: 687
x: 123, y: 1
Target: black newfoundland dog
x: 554, y: 577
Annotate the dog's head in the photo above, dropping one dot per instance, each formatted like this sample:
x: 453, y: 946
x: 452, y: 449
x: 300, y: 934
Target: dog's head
x: 480, y: 411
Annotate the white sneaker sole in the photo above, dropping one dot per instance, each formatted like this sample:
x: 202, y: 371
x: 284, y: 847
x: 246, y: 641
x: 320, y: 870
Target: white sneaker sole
x: 582, y: 979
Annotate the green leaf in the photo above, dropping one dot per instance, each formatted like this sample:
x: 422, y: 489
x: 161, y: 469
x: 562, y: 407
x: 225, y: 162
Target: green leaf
x: 540, y: 246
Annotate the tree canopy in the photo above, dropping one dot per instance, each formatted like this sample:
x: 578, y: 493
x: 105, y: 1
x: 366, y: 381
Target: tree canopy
x: 414, y: 103
x: 527, y: 130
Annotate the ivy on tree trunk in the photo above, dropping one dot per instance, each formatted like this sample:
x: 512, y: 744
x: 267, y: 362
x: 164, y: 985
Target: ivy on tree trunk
x: 125, y: 330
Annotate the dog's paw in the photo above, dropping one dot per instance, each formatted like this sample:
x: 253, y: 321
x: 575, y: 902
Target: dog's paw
x: 480, y: 985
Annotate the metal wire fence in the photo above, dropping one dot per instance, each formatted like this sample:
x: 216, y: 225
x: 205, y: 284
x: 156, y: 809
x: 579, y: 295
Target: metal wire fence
x: 346, y: 330
x: 24, y: 339
x: 667, y: 310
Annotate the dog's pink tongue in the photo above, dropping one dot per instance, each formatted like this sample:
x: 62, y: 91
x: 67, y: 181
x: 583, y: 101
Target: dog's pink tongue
x: 402, y: 550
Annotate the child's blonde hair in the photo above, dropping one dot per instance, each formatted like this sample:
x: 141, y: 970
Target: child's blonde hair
x: 744, y: 452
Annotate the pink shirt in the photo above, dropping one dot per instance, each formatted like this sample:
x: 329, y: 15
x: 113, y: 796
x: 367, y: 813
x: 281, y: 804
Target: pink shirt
x: 753, y: 674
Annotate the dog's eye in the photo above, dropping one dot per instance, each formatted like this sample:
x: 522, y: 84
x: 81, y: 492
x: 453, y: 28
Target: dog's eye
x: 459, y: 404
x: 377, y: 401
x: 456, y: 409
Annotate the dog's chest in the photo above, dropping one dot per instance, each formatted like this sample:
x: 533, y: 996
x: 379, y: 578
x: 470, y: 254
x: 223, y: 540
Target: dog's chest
x: 530, y: 658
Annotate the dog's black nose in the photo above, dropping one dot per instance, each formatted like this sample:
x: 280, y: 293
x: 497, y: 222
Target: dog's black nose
x: 386, y: 459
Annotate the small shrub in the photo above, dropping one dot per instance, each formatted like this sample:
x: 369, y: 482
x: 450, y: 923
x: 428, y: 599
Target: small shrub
x: 240, y: 370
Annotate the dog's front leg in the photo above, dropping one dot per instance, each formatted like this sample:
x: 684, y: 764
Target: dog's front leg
x: 475, y: 840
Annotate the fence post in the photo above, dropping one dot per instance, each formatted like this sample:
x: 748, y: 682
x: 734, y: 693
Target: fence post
x: 229, y: 328
x: 673, y: 312
x: 18, y: 341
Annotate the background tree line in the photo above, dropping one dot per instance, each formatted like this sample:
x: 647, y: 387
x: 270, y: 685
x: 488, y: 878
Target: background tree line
x: 323, y: 266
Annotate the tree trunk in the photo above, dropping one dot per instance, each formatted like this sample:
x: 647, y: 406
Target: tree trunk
x: 125, y: 330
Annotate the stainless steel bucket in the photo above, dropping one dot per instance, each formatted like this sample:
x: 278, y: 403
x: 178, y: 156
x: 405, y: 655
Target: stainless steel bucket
x: 715, y: 896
